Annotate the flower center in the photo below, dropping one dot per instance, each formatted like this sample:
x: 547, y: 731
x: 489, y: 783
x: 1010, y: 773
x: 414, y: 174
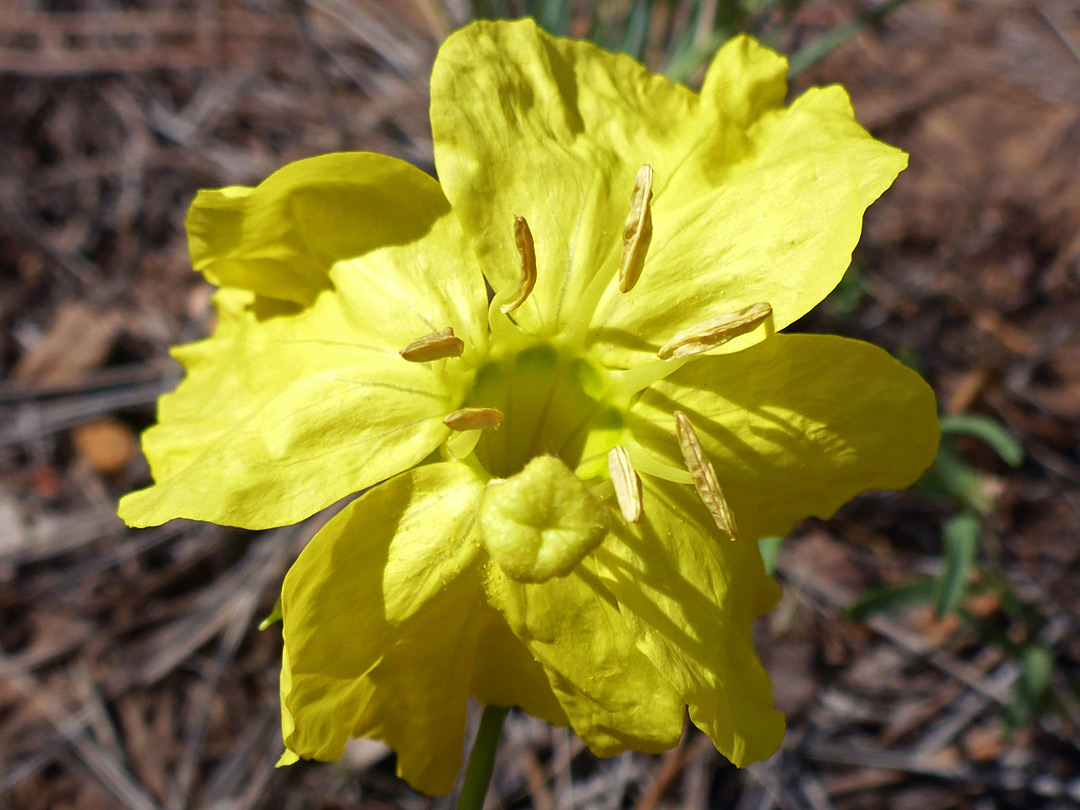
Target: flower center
x: 542, y: 420
x: 552, y: 404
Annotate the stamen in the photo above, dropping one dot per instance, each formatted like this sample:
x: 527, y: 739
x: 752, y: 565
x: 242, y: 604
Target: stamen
x: 627, y: 483
x: 637, y: 233
x: 435, y: 346
x: 524, y: 242
x: 701, y: 470
x: 474, y: 419
x: 715, y: 331
x: 646, y: 462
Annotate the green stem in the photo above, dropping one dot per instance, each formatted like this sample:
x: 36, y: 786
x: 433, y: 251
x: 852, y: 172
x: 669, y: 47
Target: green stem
x: 482, y: 759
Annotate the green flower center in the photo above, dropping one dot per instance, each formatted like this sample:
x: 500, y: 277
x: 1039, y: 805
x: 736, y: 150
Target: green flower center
x: 553, y: 404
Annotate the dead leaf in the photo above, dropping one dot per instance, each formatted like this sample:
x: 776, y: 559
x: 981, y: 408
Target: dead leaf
x: 78, y: 340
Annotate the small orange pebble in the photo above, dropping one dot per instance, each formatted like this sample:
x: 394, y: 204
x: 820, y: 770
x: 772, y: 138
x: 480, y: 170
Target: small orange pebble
x: 107, y: 446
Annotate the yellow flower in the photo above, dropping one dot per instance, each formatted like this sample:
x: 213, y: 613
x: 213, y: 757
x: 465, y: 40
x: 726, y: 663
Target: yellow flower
x: 574, y: 477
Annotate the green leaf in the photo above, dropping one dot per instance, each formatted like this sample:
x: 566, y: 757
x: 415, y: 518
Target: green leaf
x: 1000, y: 438
x: 892, y: 597
x: 770, y: 552
x: 636, y: 35
x: 834, y: 38
x: 552, y: 15
x: 952, y: 477
x: 961, y: 536
x: 845, y: 298
x: 1036, y: 670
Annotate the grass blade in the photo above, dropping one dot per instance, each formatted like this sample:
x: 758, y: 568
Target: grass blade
x: 831, y: 40
x: 961, y: 535
x: 1000, y: 438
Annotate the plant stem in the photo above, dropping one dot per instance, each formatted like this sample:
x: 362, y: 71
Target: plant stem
x: 482, y: 759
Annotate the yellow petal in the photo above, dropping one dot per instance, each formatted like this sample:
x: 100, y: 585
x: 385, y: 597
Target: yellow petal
x: 293, y: 404
x: 284, y: 410
x: 281, y: 238
x: 375, y: 229
x: 744, y: 81
x: 506, y: 674
x: 380, y: 616
x: 777, y: 223
x: 554, y: 130
x: 751, y: 202
x: 614, y: 698
x: 796, y: 426
x: 691, y: 596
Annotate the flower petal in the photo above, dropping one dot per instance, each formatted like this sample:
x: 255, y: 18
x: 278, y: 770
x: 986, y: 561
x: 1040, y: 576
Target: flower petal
x: 751, y: 203
x: 553, y: 130
x: 300, y: 396
x: 375, y: 229
x: 282, y: 238
x: 380, y: 617
x: 796, y: 426
x: 614, y: 698
x: 284, y: 410
x: 506, y: 674
x: 776, y: 225
x: 691, y: 596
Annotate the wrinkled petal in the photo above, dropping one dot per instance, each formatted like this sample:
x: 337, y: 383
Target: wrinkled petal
x: 554, y: 130
x: 796, y: 426
x: 373, y: 229
x: 777, y: 226
x: 284, y: 410
x: 283, y: 238
x: 300, y: 396
x: 506, y: 674
x: 751, y: 202
x: 380, y: 618
x: 691, y: 596
x: 614, y: 698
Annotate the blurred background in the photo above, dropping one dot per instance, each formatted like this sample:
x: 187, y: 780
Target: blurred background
x: 926, y: 649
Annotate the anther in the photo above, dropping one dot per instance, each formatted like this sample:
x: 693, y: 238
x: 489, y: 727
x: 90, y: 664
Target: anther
x: 637, y: 233
x: 627, y: 483
x: 435, y: 346
x: 701, y: 470
x: 527, y: 251
x: 474, y: 419
x: 715, y: 332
